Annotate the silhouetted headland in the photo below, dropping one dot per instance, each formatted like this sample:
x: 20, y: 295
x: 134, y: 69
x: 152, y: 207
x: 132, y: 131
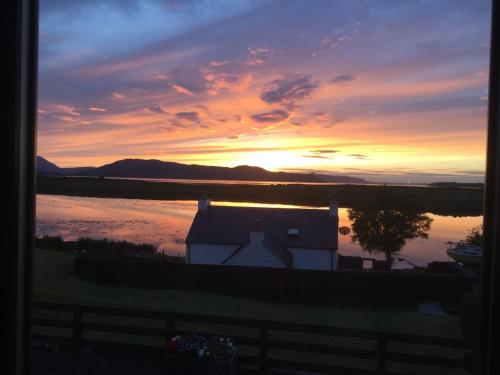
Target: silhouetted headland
x: 140, y: 168
x: 442, y: 201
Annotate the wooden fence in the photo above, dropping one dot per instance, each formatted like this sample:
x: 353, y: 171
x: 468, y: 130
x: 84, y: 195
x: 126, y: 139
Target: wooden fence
x: 342, y: 289
x: 269, y: 337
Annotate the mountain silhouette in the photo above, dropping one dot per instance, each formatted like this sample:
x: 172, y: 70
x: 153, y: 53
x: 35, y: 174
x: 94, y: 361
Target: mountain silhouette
x: 141, y: 168
x: 43, y: 166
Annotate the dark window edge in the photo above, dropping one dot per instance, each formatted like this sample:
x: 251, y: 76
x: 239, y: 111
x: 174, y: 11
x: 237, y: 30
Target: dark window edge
x: 19, y: 33
x: 489, y: 347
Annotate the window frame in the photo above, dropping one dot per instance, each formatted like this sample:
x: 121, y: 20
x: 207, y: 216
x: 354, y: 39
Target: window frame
x: 19, y: 26
x: 489, y: 342
x: 19, y: 33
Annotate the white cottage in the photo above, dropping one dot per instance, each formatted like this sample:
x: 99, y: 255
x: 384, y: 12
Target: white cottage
x: 264, y: 237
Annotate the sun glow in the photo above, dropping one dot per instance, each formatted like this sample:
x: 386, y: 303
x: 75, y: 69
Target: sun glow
x: 350, y: 100
x: 271, y: 160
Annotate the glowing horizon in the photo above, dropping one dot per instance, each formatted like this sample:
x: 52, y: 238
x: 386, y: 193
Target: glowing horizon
x: 393, y: 92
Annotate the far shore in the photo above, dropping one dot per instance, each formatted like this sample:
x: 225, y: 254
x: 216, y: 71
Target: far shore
x: 453, y: 201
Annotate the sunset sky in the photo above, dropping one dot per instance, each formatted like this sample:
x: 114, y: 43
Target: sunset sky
x: 391, y: 91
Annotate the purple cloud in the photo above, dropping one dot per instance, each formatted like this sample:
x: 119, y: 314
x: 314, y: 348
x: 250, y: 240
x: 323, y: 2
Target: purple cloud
x: 274, y: 116
x: 324, y: 151
x: 360, y: 156
x: 291, y: 88
x: 157, y: 108
x: 316, y: 156
x: 343, y: 78
x: 189, y: 116
x: 321, y: 154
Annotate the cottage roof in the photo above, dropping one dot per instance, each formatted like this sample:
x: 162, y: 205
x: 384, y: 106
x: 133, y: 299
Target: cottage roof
x: 231, y: 225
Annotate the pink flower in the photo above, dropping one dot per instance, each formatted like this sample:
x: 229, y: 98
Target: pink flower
x: 173, y: 346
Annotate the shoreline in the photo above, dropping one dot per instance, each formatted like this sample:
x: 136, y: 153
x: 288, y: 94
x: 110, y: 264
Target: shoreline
x: 441, y: 201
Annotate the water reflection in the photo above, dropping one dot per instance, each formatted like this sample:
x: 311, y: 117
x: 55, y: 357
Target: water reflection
x: 387, y: 231
x: 165, y: 224
x: 161, y: 223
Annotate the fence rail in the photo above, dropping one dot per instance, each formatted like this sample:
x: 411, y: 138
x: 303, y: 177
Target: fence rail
x: 264, y: 341
x: 347, y: 289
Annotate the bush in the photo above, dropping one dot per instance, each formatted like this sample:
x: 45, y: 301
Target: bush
x: 51, y: 243
x: 106, y: 247
x: 96, y: 247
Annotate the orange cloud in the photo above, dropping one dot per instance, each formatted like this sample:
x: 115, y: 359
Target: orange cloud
x: 182, y: 90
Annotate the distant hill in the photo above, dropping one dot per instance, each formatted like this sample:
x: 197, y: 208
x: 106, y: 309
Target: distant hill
x: 140, y: 168
x: 470, y: 185
x: 43, y: 166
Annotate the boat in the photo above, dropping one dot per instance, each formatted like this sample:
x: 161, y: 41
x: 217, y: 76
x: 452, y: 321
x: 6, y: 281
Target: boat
x: 465, y: 253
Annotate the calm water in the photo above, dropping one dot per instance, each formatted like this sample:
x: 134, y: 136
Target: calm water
x: 166, y: 223
x: 250, y: 182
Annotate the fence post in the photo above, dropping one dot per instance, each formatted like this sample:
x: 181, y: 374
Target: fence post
x: 264, y: 335
x: 169, y: 327
x: 77, y: 331
x: 382, y: 351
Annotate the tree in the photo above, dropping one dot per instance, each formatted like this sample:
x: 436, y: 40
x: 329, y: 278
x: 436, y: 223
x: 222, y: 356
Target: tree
x: 387, y: 230
x: 475, y: 236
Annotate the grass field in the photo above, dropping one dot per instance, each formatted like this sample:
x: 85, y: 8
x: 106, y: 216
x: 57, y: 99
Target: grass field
x: 55, y: 282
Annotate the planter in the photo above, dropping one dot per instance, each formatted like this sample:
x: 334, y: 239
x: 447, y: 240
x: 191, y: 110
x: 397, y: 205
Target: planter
x: 178, y: 364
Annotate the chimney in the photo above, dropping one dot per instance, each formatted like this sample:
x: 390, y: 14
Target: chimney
x: 204, y: 203
x: 334, y: 209
x: 256, y: 231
